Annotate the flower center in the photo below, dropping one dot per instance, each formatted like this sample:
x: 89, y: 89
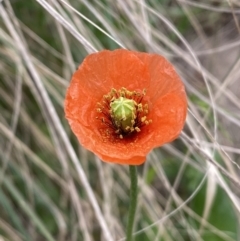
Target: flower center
x: 123, y: 111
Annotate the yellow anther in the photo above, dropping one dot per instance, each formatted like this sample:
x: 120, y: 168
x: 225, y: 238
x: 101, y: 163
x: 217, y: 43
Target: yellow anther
x: 137, y: 129
x: 129, y: 93
x: 122, y: 93
x: 140, y: 107
x: 143, y: 118
x: 127, y: 128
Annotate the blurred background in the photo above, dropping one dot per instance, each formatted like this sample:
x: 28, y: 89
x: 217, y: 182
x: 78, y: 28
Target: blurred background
x: 53, y: 189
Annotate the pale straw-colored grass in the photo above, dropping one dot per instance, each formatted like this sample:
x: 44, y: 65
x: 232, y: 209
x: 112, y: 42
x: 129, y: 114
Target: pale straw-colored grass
x: 52, y: 188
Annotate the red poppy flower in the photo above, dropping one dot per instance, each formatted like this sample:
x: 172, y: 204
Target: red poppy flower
x: 121, y: 104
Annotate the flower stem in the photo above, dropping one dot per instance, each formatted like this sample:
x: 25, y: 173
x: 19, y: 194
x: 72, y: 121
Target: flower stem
x: 133, y: 201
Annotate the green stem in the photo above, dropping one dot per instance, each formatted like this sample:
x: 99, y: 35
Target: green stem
x: 133, y: 201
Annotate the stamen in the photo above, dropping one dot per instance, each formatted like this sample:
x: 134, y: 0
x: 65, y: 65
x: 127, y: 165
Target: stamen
x: 137, y: 129
x: 123, y: 111
x: 143, y: 119
x: 140, y: 108
x: 127, y: 128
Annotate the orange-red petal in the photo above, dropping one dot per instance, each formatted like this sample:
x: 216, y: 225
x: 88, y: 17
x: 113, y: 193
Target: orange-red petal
x: 97, y: 75
x: 168, y: 116
x: 164, y: 78
x: 135, y: 71
x: 126, y: 151
x: 106, y: 69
